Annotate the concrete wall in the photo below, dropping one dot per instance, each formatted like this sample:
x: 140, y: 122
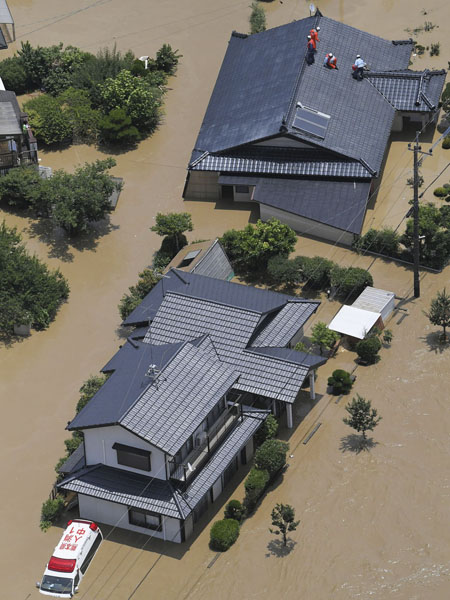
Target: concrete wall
x: 116, y: 515
x: 99, y: 442
x: 303, y: 225
x: 203, y: 185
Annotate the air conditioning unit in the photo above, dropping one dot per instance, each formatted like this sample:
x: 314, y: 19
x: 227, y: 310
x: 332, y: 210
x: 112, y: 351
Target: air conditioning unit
x: 200, y: 439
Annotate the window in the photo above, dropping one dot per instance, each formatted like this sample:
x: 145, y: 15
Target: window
x: 242, y: 189
x: 90, y: 555
x: 141, y: 518
x: 133, y: 457
x: 188, y: 258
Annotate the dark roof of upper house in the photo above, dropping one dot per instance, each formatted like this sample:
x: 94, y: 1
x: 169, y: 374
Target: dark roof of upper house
x: 160, y: 496
x: 291, y: 355
x: 409, y: 90
x: 75, y: 462
x: 340, y: 204
x: 264, y: 78
x: 208, y: 288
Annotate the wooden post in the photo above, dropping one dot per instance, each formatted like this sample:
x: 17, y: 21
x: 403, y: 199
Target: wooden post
x: 290, y: 422
x: 312, y: 389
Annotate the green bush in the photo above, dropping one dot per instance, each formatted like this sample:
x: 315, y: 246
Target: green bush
x: 257, y: 18
x: 384, y: 241
x: 350, y: 282
x: 223, y: 534
x: 47, y: 120
x: 323, y: 337
x: 167, y: 59
x: 13, y: 75
x: 82, y: 119
x: 116, y: 127
x: 440, y: 192
x: 88, y: 390
x: 267, y: 431
x: 234, y: 510
x: 368, y: 348
x: 254, y: 485
x: 446, y: 142
x: 284, y: 271
x: 271, y: 456
x: 21, y: 187
x: 340, y: 381
x: 147, y: 281
x: 51, y: 511
x: 316, y: 271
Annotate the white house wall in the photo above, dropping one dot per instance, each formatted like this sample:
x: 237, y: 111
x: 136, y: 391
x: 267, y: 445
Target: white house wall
x: 303, y: 225
x: 98, y: 443
x: 203, y: 185
x: 111, y: 513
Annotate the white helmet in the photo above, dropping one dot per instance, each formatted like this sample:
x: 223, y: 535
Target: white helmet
x: 358, y: 56
x: 317, y: 28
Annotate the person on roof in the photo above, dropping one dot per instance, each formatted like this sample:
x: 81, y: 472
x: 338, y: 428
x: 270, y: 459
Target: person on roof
x: 310, y: 51
x: 358, y: 68
x: 330, y: 61
x: 314, y: 33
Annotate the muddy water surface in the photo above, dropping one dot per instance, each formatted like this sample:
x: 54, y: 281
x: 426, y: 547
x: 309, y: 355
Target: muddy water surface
x: 373, y: 524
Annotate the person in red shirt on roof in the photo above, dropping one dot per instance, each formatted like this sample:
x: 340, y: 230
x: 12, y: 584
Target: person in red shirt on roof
x: 330, y: 61
x: 314, y: 33
x: 310, y: 51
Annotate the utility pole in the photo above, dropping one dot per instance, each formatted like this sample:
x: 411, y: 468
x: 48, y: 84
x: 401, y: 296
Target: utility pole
x: 416, y: 246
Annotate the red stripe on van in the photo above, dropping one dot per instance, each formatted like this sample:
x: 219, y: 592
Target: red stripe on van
x: 63, y: 565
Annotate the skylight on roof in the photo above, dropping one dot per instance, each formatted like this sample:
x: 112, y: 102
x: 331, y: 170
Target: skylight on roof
x: 311, y: 121
x: 188, y: 258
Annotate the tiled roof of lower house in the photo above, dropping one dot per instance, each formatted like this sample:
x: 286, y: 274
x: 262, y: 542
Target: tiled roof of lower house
x: 280, y: 330
x: 75, y: 462
x: 130, y: 489
x: 340, y: 204
x: 291, y: 355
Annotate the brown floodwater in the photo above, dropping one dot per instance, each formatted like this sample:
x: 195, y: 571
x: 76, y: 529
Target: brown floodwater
x: 374, y: 524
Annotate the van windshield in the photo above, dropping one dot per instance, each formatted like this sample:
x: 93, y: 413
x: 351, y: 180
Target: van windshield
x: 57, y: 585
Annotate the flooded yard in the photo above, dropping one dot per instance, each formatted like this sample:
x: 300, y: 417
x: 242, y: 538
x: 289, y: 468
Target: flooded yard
x: 373, y: 524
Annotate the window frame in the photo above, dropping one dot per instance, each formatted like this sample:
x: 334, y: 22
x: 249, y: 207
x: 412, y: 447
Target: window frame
x: 238, y: 189
x: 145, y: 513
x: 123, y: 451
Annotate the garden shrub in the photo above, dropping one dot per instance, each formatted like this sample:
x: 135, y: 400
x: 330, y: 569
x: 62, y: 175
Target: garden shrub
x: 223, y: 534
x: 21, y: 187
x: 351, y: 281
x: 47, y: 120
x: 13, y: 75
x: 368, y: 348
x: 284, y: 271
x: 167, y: 59
x: 316, y: 271
x: 446, y: 142
x: 234, y: 510
x: 147, y: 281
x: 271, y: 456
x: 340, y: 381
x: 257, y: 18
x: 267, y: 431
x: 384, y: 241
x: 116, y: 127
x: 254, y: 485
x: 51, y: 511
x: 440, y: 192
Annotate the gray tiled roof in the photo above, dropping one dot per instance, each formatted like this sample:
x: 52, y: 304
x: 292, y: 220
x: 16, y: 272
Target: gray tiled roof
x: 214, y: 263
x: 223, y: 457
x: 270, y: 160
x: 75, y: 462
x: 409, y: 90
x: 176, y: 403
x: 230, y: 329
x: 340, y: 204
x: 291, y: 355
x: 284, y: 325
x: 130, y: 489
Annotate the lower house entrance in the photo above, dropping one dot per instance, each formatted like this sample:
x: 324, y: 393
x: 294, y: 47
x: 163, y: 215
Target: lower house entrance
x: 227, y: 192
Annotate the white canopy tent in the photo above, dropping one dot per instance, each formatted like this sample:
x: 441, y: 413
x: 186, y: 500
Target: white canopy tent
x: 354, y: 322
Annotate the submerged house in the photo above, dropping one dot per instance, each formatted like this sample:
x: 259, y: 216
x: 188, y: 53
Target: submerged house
x: 195, y: 380
x: 306, y: 142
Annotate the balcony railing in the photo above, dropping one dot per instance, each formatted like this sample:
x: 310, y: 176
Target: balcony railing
x: 9, y: 160
x: 185, y: 471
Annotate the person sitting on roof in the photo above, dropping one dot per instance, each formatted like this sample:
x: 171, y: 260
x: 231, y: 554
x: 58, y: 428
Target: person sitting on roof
x: 358, y: 68
x: 314, y: 33
x: 310, y: 51
x: 330, y: 61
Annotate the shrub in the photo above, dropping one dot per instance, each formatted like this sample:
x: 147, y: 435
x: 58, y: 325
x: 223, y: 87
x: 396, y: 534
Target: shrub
x: 255, y: 485
x: 21, y: 187
x: 323, y: 337
x: 51, y: 511
x: 316, y: 271
x: 446, y: 142
x: 388, y: 336
x: 13, y: 75
x: 284, y: 271
x: 351, y: 281
x: 267, y: 431
x: 440, y: 192
x: 223, y: 534
x: 234, y: 510
x: 147, y: 281
x: 82, y: 119
x: 47, y: 120
x: 257, y: 18
x: 167, y: 59
x: 172, y: 226
x: 271, y: 456
x: 368, y: 348
x: 340, y: 381
x: 384, y: 241
x: 88, y: 390
x: 116, y: 128
x: 435, y: 49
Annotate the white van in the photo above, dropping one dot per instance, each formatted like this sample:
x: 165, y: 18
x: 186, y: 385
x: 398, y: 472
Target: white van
x: 71, y: 558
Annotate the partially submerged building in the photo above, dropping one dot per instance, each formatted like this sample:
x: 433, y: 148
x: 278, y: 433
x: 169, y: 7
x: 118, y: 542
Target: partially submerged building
x: 18, y: 146
x: 305, y: 142
x: 203, y: 258
x: 207, y: 361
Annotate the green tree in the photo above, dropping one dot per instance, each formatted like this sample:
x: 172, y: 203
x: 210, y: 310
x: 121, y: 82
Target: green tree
x: 82, y: 119
x: 316, y: 271
x: 254, y: 486
x: 368, y: 348
x: 283, y: 519
x: 13, y: 75
x: 267, y: 431
x: 257, y: 18
x: 384, y: 241
x: 271, y: 456
x: 88, y: 390
x: 73, y: 201
x: 147, y: 281
x: 223, y: 534
x: 167, y: 59
x: 435, y: 236
x: 323, y: 337
x: 134, y: 94
x: 351, y: 281
x: 445, y: 99
x: 439, y: 313
x: 51, y: 511
x: 234, y: 510
x: 362, y: 416
x: 21, y: 187
x: 47, y: 119
x: 340, y: 381
x: 116, y: 128
x: 284, y: 271
x: 173, y: 226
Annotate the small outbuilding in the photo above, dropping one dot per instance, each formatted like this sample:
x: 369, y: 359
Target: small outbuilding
x: 354, y: 322
x: 375, y: 300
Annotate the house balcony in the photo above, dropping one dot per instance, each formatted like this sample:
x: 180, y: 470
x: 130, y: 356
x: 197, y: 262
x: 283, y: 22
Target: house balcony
x: 187, y: 470
x: 9, y: 160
